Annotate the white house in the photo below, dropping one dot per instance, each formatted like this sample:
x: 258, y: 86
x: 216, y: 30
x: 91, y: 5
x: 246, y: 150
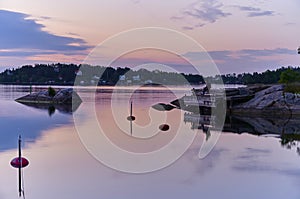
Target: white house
x: 136, y: 78
x: 122, y: 77
x: 78, y: 72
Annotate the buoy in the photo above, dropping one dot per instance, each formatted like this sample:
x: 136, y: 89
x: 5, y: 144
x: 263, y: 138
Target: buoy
x: 164, y: 127
x: 130, y: 117
x: 19, y: 162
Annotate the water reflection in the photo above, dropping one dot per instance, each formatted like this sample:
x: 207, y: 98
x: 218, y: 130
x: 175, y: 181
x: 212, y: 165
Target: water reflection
x: 62, y: 168
x: 242, y: 165
x: 51, y: 108
x: 30, y: 127
x: 287, y: 129
x: 16, y: 119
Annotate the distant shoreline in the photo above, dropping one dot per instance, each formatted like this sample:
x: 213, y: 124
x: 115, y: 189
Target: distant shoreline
x: 68, y: 74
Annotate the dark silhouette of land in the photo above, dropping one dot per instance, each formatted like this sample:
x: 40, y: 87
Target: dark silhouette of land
x: 65, y: 74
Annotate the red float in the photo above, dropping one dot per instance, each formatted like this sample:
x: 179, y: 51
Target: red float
x: 17, y: 162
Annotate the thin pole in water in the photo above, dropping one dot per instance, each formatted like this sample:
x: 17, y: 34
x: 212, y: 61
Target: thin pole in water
x: 19, y: 162
x: 130, y: 127
x: 20, y: 166
x: 131, y: 117
x: 131, y: 108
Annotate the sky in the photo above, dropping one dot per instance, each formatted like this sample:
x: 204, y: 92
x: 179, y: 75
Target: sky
x: 239, y: 36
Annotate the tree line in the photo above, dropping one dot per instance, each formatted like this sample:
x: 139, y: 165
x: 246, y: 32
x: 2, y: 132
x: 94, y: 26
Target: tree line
x: 281, y: 75
x: 65, y: 74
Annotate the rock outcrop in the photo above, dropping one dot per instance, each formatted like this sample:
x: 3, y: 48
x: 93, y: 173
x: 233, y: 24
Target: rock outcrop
x: 273, y: 101
x: 63, y: 96
x: 163, y: 107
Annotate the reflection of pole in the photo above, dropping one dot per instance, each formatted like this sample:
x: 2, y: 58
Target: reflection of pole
x: 20, y: 166
x: 130, y: 127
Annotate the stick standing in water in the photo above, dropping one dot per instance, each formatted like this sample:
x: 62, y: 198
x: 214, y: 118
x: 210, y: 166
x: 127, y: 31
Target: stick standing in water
x: 131, y: 118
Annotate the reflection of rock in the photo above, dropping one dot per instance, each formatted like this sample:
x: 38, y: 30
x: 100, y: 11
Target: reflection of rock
x: 287, y: 129
x: 163, y: 107
x: 273, y: 126
x: 252, y: 125
x: 51, y: 108
x: 65, y: 100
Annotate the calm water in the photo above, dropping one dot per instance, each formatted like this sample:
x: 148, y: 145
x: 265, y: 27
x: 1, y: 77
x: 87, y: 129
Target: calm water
x: 241, y: 165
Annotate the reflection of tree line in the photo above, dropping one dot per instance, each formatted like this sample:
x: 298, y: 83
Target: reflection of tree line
x: 291, y: 141
x: 288, y: 129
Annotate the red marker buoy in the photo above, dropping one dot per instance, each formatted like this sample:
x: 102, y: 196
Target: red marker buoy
x: 164, y: 127
x: 17, y: 162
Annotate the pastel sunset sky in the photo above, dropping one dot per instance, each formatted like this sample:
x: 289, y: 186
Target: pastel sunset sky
x: 240, y: 36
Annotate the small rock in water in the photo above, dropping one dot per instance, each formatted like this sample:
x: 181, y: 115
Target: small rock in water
x: 63, y: 96
x: 163, y: 107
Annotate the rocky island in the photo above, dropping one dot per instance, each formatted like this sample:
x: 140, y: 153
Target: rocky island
x: 65, y: 100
